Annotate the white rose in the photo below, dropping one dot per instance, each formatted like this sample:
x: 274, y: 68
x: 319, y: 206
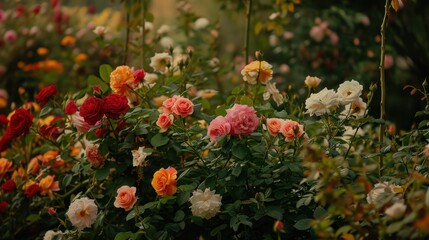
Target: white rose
x: 82, y: 212
x: 159, y: 62
x: 163, y: 29
x: 356, y: 109
x: 321, y: 102
x: 396, y: 211
x: 349, y: 91
x: 205, y: 204
x: 271, y: 90
x: 201, y: 23
x: 382, y: 193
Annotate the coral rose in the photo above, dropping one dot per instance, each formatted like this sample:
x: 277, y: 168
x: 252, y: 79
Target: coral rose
x: 115, y: 105
x: 218, y: 127
x: 33, y: 166
x: 92, y: 110
x: 122, y: 80
x: 45, y: 93
x: 164, y: 121
x: 125, y: 198
x: 243, y: 119
x: 20, y: 123
x: 274, y: 125
x: 291, y: 130
x: 168, y: 104
x: 183, y: 107
x: 164, y: 181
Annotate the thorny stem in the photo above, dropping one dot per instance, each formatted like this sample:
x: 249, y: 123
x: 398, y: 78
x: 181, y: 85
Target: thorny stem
x: 383, y: 87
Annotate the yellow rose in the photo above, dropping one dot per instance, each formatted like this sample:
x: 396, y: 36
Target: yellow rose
x: 122, y: 80
x: 257, y: 71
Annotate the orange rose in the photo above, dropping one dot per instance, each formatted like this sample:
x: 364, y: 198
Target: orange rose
x: 33, y: 166
x: 5, y: 166
x: 49, y: 156
x: 19, y: 174
x: 164, y: 181
x: 122, y: 79
x: 48, y: 186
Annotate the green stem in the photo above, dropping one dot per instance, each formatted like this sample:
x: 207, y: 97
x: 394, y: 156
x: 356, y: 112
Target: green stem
x: 127, y: 36
x: 143, y: 9
x: 383, y: 87
x: 247, y: 37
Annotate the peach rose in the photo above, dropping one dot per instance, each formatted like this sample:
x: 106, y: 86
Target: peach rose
x: 48, y: 186
x: 122, y: 79
x: 126, y: 198
x: 164, y: 121
x: 257, y: 71
x: 291, y: 130
x: 218, y: 127
x: 5, y: 166
x: 168, y: 104
x: 164, y: 181
x: 312, y: 82
x: 33, y: 166
x: 274, y: 125
x: 183, y: 107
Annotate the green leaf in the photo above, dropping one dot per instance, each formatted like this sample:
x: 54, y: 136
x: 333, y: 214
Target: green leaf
x: 45, y: 111
x: 320, y: 212
x: 66, y: 180
x: 275, y: 212
x: 220, y: 110
x: 179, y: 216
x: 217, y: 230
x: 105, y: 70
x: 159, y: 140
x: 183, y: 197
x: 236, y: 171
x: 102, y: 173
x: 123, y: 235
x: 95, y: 81
x: 33, y: 218
x: 246, y: 101
x: 240, y: 151
x: 303, y: 224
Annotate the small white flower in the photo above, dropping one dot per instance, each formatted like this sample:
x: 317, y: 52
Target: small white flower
x: 201, y: 23
x: 356, y: 109
x: 321, y: 102
x: 160, y: 61
x: 166, y: 42
x: 100, y: 30
x: 205, y: 204
x: 150, y: 78
x: 349, y: 91
x: 271, y: 90
x: 382, y: 193
x: 312, y: 82
x: 51, y: 234
x: 82, y: 212
x: 396, y: 211
x: 139, y: 156
x: 164, y: 29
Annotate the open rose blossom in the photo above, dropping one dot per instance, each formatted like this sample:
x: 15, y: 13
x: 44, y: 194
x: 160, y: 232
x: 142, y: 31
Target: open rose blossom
x: 321, y: 102
x: 8, y: 186
x: 164, y: 121
x: 48, y: 186
x: 168, y: 104
x: 92, y: 110
x: 115, y: 105
x: 122, y: 80
x: 349, y: 92
x: 5, y: 166
x: 205, y: 204
x: 218, y: 127
x: 183, y: 107
x: 20, y: 123
x: 45, y: 94
x: 274, y: 125
x: 82, y: 212
x: 93, y: 155
x: 164, y: 181
x: 291, y: 130
x: 32, y: 190
x: 70, y: 108
x: 257, y: 71
x: 243, y: 119
x: 125, y: 198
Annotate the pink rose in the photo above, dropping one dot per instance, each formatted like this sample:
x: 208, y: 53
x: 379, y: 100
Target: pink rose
x: 164, y: 121
x: 291, y: 130
x: 242, y: 118
x: 126, y: 198
x: 79, y: 122
x: 218, y: 127
x: 274, y: 125
x: 168, y: 104
x: 183, y: 107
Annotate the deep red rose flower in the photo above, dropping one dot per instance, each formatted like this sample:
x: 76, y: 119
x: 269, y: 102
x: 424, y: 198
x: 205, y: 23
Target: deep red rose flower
x: 20, y: 123
x: 3, y: 206
x: 32, y: 190
x: 8, y: 186
x: 3, y: 119
x: 50, y: 131
x: 71, y: 107
x: 99, y: 132
x: 139, y: 75
x: 91, y: 8
x: 45, y: 93
x: 96, y: 89
x: 36, y: 9
x: 121, y: 126
x: 115, y: 105
x: 92, y: 110
x: 5, y: 142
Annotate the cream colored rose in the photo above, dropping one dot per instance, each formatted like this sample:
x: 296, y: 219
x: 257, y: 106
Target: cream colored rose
x: 349, y: 91
x: 272, y: 91
x: 160, y: 62
x: 356, y: 109
x: 205, y: 204
x: 207, y: 93
x: 312, y: 82
x: 321, y: 102
x: 396, y: 211
x: 139, y: 156
x: 384, y: 192
x: 82, y: 212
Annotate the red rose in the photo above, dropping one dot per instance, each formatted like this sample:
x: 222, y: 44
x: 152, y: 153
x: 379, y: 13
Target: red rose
x: 115, y: 105
x: 50, y: 131
x: 8, y: 186
x: 139, y: 75
x: 3, y: 119
x: 5, y: 142
x: 3, y: 206
x: 20, y: 123
x: 45, y: 93
x: 92, y: 110
x: 71, y: 107
x: 32, y: 190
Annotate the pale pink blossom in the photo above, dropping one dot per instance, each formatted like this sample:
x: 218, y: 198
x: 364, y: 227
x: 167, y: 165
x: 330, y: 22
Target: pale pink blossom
x: 82, y: 212
x: 218, y: 127
x: 79, y: 122
x: 10, y: 36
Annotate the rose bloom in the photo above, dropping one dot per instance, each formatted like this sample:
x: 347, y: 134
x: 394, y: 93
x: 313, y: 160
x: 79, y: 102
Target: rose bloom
x: 70, y: 108
x: 257, y: 71
x: 45, y: 94
x: 19, y: 174
x: 271, y: 90
x: 168, y: 104
x: 93, y: 155
x: 5, y: 166
x: 92, y: 110
x: 396, y: 211
x: 5, y: 142
x: 3, y: 206
x: 32, y: 190
x: 218, y: 127
x: 20, y: 123
x: 164, y: 181
x: 150, y: 78
x: 274, y: 125
x: 10, y: 36
x: 139, y: 156
x: 122, y: 80
x: 183, y: 107
x: 125, y: 198
x: 382, y: 192
x: 50, y: 235
x: 33, y: 166
x: 82, y: 212
x: 243, y: 119
x: 291, y: 130
x: 139, y: 75
x: 160, y: 62
x: 321, y: 102
x: 317, y: 33
x: 278, y: 226
x: 8, y: 186
x: 201, y: 23
x: 115, y: 105
x: 349, y: 91
x: 205, y: 204
x: 356, y: 109
x: 100, y: 30
x: 312, y: 82
x: 48, y: 186
x: 50, y: 131
x: 207, y: 93
x: 79, y: 123
x: 164, y: 121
